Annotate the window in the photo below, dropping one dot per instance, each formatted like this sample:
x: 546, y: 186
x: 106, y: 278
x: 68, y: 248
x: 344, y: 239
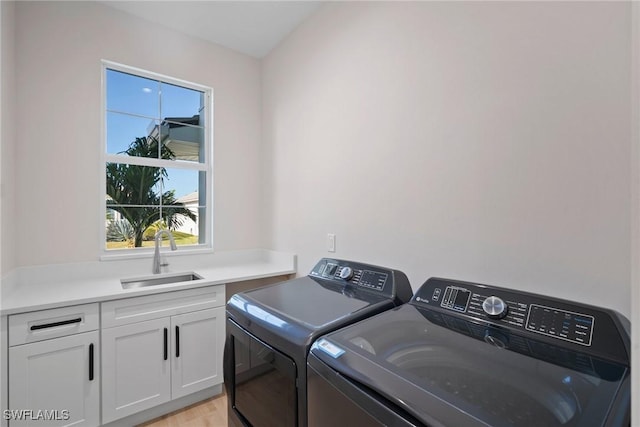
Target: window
x: 157, y: 163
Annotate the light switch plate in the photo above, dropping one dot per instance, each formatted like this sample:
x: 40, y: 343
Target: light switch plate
x: 331, y: 242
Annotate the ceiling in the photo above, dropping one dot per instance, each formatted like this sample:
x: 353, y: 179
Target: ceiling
x: 250, y: 27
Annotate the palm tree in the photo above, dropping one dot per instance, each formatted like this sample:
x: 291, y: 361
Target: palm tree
x: 133, y: 194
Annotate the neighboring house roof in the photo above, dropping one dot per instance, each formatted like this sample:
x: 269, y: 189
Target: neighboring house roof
x: 182, y: 135
x: 188, y: 198
x: 179, y: 121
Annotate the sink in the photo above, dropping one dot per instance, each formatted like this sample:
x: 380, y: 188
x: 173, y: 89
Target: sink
x: 142, y: 282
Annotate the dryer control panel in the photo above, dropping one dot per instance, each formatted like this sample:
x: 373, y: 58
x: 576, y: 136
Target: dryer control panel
x: 385, y: 281
x: 570, y: 322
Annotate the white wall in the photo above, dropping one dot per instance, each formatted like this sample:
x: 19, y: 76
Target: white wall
x: 484, y: 141
x: 7, y: 133
x: 480, y: 141
x: 7, y: 136
x: 635, y: 210
x: 59, y: 46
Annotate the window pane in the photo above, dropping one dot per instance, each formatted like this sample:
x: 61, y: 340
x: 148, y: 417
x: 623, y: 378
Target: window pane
x: 133, y: 185
x: 132, y: 94
x: 183, y: 203
x: 188, y: 188
x: 180, y: 103
x: 126, y: 226
x: 184, y: 228
x: 142, y: 199
x: 183, y: 141
x: 123, y: 130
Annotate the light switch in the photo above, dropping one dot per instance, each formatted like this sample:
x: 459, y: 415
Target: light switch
x: 331, y: 242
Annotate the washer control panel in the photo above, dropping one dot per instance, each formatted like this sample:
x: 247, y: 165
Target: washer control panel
x: 597, y: 331
x: 509, y: 308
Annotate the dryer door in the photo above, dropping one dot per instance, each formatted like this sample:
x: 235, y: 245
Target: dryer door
x: 260, y: 381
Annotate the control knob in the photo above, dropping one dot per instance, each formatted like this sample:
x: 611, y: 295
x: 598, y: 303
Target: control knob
x: 346, y: 273
x: 495, y: 307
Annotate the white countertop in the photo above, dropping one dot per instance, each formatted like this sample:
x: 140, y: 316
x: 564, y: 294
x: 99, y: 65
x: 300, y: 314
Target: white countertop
x: 42, y: 287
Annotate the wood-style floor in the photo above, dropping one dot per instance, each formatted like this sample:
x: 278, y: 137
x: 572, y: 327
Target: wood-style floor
x: 208, y: 413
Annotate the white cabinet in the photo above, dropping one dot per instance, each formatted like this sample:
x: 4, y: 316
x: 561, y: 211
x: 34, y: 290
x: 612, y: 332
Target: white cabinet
x: 160, y: 347
x: 198, y: 344
x: 91, y: 364
x: 136, y: 368
x: 54, y: 367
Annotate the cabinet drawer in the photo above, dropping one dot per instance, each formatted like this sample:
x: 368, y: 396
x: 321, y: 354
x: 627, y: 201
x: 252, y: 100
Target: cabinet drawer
x: 57, y: 322
x: 138, y: 309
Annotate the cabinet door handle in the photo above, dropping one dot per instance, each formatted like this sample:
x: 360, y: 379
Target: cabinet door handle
x: 166, y: 343
x: 91, y: 362
x: 54, y: 324
x: 177, y: 341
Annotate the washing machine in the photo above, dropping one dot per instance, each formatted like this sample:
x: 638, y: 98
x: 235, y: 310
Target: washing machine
x: 270, y: 331
x: 463, y: 354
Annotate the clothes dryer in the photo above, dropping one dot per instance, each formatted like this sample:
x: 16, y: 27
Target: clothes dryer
x: 270, y: 331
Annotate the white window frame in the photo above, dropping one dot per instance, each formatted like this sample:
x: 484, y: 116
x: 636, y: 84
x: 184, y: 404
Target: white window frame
x: 206, y: 166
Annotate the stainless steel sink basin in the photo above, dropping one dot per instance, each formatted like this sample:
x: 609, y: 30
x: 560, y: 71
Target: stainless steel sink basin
x: 158, y: 280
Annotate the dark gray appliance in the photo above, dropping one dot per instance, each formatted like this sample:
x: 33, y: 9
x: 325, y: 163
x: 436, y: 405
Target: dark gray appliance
x: 463, y: 354
x: 270, y: 331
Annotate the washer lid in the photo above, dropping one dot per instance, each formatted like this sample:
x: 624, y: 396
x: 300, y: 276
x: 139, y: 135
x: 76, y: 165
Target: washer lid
x: 448, y: 371
x: 309, y: 301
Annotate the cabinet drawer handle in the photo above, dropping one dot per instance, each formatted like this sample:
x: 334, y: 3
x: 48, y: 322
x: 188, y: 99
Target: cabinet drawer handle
x: 54, y: 324
x: 166, y: 343
x: 91, y: 362
x: 177, y: 341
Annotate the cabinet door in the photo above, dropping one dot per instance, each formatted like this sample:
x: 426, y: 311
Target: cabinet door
x: 135, y: 368
x: 198, y: 344
x: 55, y: 382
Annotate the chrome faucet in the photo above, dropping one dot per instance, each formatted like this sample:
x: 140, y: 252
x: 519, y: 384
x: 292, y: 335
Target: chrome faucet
x: 156, y: 255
